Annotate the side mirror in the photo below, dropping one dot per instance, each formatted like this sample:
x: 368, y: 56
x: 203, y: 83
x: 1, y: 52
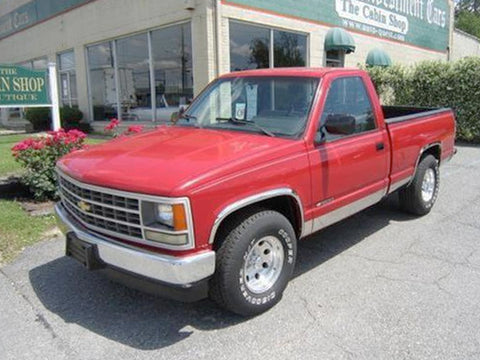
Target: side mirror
x: 177, y: 115
x: 340, y: 124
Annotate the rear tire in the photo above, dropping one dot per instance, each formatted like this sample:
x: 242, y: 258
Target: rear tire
x: 419, y: 197
x: 254, y: 263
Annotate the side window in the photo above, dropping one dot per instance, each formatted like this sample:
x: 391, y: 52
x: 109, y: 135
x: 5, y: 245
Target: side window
x: 347, y: 98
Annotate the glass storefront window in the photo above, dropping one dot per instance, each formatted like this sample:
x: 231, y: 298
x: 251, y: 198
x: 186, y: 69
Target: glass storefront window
x: 251, y: 47
x: 67, y: 78
x: 133, y: 74
x: 289, y: 49
x: 102, y: 81
x: 172, y: 59
x: 124, y: 64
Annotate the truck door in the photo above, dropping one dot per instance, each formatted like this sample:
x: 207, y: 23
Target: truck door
x: 349, y: 170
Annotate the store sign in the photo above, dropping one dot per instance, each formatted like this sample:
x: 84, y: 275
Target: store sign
x: 22, y: 87
x: 424, y: 23
x: 33, y: 12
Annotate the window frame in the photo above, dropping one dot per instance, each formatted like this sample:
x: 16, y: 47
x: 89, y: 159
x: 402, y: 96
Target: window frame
x: 375, y: 120
x: 71, y: 101
x: 271, y: 40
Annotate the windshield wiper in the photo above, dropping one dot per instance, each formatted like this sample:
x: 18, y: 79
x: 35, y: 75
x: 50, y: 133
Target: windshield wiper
x: 236, y: 121
x: 188, y: 117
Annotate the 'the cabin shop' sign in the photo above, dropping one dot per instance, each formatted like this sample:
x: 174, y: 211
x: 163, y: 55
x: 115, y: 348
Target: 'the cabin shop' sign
x: 20, y: 86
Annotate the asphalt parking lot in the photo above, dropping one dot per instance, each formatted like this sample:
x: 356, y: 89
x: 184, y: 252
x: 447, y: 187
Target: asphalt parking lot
x: 379, y: 285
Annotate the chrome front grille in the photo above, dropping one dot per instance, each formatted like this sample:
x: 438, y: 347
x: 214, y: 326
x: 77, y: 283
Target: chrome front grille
x: 101, y: 211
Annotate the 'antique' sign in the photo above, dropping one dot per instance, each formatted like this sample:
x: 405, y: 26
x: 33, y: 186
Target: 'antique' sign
x: 22, y: 87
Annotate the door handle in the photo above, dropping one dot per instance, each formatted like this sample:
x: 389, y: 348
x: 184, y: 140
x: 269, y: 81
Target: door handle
x: 380, y: 146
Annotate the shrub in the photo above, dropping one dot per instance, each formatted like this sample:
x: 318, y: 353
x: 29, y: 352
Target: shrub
x: 71, y: 118
x: 38, y: 155
x: 436, y: 84
x: 39, y: 117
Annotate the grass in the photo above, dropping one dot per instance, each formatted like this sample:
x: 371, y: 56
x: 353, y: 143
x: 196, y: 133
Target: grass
x: 18, y: 229
x: 8, y: 165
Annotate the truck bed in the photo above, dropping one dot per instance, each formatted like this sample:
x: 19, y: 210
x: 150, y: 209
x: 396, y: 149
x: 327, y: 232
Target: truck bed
x: 393, y: 114
x: 411, y: 130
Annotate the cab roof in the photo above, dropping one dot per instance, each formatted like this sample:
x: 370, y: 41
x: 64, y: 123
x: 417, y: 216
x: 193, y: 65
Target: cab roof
x: 292, y: 71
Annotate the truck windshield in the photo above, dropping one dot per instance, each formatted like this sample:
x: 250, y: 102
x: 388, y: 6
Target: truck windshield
x: 272, y: 106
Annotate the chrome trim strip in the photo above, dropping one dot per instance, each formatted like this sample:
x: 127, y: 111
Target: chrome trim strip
x: 99, y: 203
x: 252, y: 200
x: 140, y: 198
x: 169, y: 269
x: 422, y: 150
x: 336, y: 215
x: 399, y: 184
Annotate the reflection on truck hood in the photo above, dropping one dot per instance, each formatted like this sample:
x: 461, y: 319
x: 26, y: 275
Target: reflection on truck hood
x: 171, y: 160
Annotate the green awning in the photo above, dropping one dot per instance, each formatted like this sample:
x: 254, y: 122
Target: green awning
x: 339, y: 39
x: 378, y: 57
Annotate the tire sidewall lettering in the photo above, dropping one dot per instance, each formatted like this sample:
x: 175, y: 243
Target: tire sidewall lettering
x: 269, y: 295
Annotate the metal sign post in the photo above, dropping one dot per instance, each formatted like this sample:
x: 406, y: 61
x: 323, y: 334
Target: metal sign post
x: 21, y: 87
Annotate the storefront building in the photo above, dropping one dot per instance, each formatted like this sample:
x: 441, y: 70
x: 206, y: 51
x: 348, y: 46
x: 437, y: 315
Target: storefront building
x: 141, y: 60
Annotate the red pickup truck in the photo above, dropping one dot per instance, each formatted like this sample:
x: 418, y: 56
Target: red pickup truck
x: 214, y: 204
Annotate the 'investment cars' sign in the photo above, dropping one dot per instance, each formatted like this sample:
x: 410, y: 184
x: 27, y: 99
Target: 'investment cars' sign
x: 20, y: 86
x: 425, y: 23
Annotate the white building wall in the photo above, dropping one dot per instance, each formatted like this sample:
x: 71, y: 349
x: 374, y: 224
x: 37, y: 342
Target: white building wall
x: 464, y: 45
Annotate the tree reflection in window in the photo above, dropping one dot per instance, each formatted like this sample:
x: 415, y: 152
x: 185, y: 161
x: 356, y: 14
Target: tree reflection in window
x: 250, y: 47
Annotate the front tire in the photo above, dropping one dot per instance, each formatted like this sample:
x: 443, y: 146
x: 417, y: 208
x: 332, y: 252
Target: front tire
x: 254, y: 263
x: 418, y: 198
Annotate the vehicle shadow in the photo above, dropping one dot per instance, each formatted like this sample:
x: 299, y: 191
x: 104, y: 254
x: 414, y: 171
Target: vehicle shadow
x: 147, y: 322
x: 333, y: 240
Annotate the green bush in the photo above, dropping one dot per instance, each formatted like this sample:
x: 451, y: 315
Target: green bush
x: 39, y: 117
x: 435, y: 84
x: 71, y: 118
x: 38, y: 155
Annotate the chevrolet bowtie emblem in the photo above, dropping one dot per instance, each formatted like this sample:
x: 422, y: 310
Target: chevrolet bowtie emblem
x: 84, y: 206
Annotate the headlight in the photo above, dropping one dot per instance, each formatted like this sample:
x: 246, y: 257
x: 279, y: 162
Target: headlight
x: 165, y: 223
x: 164, y: 214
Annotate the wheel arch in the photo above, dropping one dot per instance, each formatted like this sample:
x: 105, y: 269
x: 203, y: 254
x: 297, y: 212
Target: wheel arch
x: 434, y: 149
x: 284, y: 200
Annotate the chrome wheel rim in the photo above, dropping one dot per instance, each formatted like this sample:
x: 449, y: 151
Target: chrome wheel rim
x: 263, y: 264
x: 428, y: 185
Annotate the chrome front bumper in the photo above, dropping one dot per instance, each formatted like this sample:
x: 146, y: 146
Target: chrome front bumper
x: 176, y: 271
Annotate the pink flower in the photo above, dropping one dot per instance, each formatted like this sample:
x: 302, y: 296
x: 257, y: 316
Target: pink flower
x: 38, y: 145
x: 134, y: 129
x: 112, y: 125
x: 76, y: 134
x: 20, y: 146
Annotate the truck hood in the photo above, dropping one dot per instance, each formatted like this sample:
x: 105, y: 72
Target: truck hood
x: 170, y: 161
